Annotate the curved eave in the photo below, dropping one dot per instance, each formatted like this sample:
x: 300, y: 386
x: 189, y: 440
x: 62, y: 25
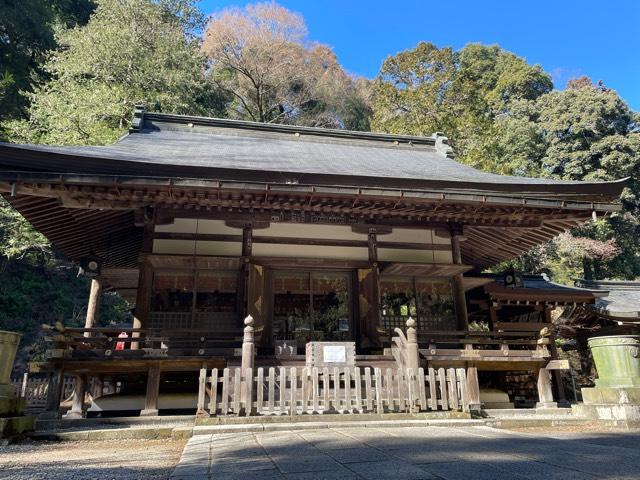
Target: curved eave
x: 38, y: 159
x: 452, y: 195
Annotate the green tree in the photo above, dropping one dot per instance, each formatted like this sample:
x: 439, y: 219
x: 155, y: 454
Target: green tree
x: 502, y: 115
x: 130, y: 52
x: 27, y: 32
x: 469, y: 95
x: 591, y: 134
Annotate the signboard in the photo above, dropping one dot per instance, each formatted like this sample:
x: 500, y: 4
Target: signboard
x: 334, y: 354
x: 330, y: 354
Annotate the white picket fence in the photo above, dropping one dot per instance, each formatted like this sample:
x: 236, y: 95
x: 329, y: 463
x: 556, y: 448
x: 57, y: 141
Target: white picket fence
x: 292, y: 391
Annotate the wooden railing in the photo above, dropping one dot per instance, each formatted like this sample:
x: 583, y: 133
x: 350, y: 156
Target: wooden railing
x: 502, y: 344
x: 108, y: 343
x: 35, y: 391
x: 291, y: 391
x: 390, y: 322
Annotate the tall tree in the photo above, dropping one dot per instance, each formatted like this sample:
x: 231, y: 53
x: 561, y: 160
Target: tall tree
x: 502, y: 116
x: 130, y: 52
x: 261, y: 57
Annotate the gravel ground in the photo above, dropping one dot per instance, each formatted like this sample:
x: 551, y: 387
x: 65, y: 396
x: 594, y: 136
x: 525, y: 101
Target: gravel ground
x: 594, y: 428
x: 96, y: 460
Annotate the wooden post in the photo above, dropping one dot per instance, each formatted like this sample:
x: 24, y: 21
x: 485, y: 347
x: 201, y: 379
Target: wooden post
x: 96, y: 386
x: 143, y: 300
x: 145, y: 278
x: 247, y: 344
x: 545, y: 392
x: 248, y: 349
x: 413, y: 355
x: 473, y: 390
x: 153, y: 391
x: 201, y: 411
x: 555, y: 374
x: 93, y: 307
x: 368, y: 305
x: 79, y: 392
x: 25, y: 381
x: 54, y: 392
x: 459, y: 297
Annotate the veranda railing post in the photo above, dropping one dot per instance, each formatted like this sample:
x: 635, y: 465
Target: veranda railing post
x: 413, y: 354
x: 247, y: 354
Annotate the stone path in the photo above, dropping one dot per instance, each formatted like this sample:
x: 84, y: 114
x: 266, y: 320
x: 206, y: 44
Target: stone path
x: 478, y: 453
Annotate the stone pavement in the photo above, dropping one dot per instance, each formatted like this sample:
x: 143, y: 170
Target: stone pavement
x: 469, y: 453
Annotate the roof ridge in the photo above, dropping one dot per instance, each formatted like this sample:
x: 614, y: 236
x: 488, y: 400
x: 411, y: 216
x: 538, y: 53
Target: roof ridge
x: 438, y: 140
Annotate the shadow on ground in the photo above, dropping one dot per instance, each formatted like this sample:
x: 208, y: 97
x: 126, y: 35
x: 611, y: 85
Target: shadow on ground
x: 471, y: 453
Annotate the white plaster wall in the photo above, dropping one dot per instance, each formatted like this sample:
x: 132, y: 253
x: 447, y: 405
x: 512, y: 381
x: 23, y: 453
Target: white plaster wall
x: 309, y: 251
x: 192, y: 225
x: 307, y: 230
x: 189, y: 247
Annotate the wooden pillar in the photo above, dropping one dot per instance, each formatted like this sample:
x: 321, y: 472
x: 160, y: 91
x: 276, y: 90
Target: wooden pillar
x: 96, y: 386
x: 153, y: 391
x: 545, y: 392
x: 54, y: 392
x: 145, y: 279
x: 93, y: 307
x: 143, y: 300
x: 368, y: 296
x: 372, y: 243
x: 555, y: 374
x: 243, y: 272
x: 413, y: 354
x: 79, y: 392
x: 459, y: 297
x: 493, y: 316
x: 473, y: 390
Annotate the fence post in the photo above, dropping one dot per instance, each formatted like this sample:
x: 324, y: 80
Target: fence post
x: 248, y: 349
x: 23, y: 390
x: 473, y: 391
x: 201, y: 412
x: 413, y: 354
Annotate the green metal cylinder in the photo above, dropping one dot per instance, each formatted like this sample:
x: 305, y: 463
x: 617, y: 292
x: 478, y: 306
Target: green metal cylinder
x: 617, y: 360
x: 8, y: 347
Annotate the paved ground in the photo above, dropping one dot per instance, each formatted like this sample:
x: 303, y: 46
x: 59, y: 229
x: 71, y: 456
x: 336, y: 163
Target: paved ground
x: 96, y: 460
x: 477, y: 453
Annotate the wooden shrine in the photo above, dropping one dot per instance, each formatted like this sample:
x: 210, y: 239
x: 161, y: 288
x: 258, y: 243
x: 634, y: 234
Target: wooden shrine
x: 319, y: 235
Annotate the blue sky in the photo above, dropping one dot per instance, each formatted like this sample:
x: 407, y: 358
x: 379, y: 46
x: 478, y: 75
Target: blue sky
x: 569, y: 38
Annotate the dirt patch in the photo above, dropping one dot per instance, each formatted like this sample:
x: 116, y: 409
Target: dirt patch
x: 96, y: 460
